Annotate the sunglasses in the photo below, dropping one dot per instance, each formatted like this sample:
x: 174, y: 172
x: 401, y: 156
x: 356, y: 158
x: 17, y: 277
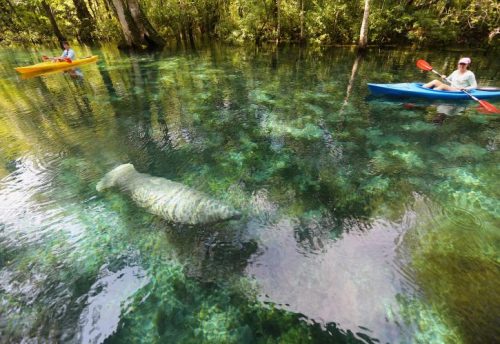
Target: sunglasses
x: 463, y: 64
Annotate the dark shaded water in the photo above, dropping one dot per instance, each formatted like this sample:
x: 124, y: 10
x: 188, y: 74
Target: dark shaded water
x: 364, y: 219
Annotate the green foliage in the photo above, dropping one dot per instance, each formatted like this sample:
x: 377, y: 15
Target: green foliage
x: 25, y: 21
x: 334, y: 22
x: 237, y: 21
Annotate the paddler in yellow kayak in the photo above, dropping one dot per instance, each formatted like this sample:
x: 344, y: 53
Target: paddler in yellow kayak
x: 68, y: 54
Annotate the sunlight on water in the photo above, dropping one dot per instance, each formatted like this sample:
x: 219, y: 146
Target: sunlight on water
x: 107, y: 299
x: 363, y: 219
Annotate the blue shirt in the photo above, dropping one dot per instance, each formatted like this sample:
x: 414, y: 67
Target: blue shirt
x: 68, y: 53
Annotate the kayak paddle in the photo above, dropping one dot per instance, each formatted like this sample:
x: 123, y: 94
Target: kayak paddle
x: 424, y: 65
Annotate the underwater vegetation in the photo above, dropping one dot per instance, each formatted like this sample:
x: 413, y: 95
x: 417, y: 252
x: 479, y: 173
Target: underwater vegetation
x: 454, y: 255
x: 362, y: 220
x: 163, y: 298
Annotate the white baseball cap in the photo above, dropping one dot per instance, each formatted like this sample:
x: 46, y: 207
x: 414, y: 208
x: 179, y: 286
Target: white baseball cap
x: 465, y: 60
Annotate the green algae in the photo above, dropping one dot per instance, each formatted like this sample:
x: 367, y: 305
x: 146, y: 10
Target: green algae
x: 430, y: 325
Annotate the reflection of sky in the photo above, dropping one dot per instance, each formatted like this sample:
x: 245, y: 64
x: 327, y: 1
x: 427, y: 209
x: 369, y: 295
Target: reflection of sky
x: 26, y: 209
x: 450, y: 110
x: 108, y: 297
x: 352, y: 281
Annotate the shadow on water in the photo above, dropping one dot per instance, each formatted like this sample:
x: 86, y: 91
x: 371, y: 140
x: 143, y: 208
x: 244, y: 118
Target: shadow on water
x: 351, y: 205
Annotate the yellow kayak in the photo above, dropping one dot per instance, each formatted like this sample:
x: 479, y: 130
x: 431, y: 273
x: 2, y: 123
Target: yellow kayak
x: 49, y: 65
x: 30, y: 75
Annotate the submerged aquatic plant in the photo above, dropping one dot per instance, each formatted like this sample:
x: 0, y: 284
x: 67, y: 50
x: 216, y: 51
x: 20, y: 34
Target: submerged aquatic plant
x: 456, y: 151
x: 397, y: 161
x: 455, y: 265
x: 295, y: 128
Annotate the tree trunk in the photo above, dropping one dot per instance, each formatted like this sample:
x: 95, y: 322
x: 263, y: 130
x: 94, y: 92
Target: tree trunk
x: 87, y: 22
x: 301, y: 21
x: 138, y: 33
x: 354, y: 71
x: 191, y: 34
x: 185, y: 34
x: 363, y: 34
x: 178, y: 35
x: 278, y: 14
x: 50, y: 15
x: 108, y: 10
x: 93, y: 6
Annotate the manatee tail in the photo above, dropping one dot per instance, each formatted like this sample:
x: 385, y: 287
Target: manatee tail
x: 236, y: 215
x: 215, y: 212
x: 109, y: 179
x: 227, y: 214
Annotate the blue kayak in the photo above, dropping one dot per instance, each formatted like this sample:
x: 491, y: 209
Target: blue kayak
x: 413, y: 89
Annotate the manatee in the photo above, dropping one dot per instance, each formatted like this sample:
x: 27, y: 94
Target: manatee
x: 173, y: 201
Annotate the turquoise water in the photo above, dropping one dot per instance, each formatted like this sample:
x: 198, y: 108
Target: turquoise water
x: 364, y: 219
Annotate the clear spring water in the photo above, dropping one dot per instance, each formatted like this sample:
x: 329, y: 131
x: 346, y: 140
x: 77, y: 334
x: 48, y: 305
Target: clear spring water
x: 365, y: 219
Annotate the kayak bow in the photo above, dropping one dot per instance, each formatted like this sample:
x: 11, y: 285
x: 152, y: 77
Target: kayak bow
x: 413, y: 89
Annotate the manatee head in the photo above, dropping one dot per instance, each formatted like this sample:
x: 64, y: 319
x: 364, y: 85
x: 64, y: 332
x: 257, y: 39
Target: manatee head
x: 110, y: 178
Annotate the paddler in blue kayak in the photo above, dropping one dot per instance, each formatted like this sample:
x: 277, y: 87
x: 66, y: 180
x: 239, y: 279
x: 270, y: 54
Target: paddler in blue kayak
x: 67, y: 54
x: 461, y: 79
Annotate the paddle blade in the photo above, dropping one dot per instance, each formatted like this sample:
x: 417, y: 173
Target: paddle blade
x: 424, y: 65
x: 488, y: 107
x: 67, y: 59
